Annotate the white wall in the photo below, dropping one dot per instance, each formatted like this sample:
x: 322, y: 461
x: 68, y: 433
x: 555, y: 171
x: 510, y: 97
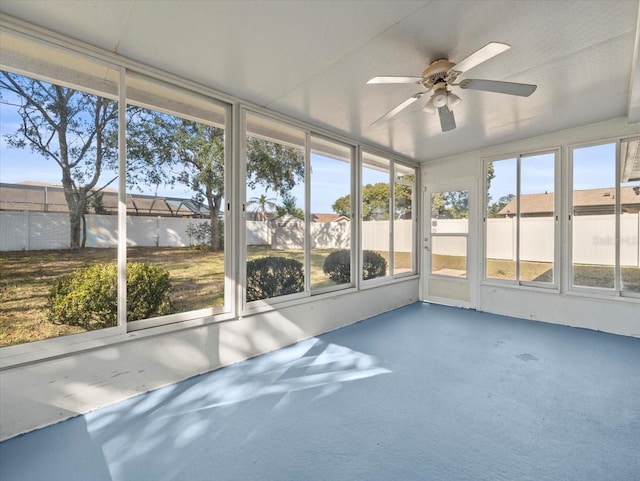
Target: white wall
x: 619, y: 316
x: 43, y: 393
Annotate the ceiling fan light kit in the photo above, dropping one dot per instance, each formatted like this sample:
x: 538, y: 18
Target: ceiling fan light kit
x: 442, y: 73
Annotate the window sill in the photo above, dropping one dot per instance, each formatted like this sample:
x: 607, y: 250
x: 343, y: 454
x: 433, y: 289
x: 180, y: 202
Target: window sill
x: 49, y: 349
x: 378, y: 282
x: 526, y: 287
x: 613, y: 296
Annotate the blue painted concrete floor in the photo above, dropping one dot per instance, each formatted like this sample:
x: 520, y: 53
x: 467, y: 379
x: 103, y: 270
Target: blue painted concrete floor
x: 421, y: 393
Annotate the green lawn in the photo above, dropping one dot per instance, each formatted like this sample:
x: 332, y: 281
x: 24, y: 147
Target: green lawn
x: 584, y: 275
x: 197, y: 278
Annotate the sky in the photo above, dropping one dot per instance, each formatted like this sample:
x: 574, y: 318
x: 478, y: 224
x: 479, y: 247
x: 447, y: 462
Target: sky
x: 330, y: 177
x: 593, y: 167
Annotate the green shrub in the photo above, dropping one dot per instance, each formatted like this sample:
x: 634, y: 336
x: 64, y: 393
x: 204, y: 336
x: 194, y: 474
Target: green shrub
x: 148, y: 290
x: 89, y: 297
x: 337, y: 266
x: 272, y: 277
x: 374, y: 265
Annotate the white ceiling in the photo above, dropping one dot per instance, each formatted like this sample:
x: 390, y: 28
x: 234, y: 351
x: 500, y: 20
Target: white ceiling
x: 311, y: 59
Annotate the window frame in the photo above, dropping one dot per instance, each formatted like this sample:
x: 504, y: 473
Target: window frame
x: 46, y: 349
x: 49, y: 348
x: 415, y: 212
x: 206, y: 312
x: 352, y: 223
x: 608, y: 293
x: 260, y: 305
x: 557, y: 216
x: 55, y: 346
x: 391, y: 276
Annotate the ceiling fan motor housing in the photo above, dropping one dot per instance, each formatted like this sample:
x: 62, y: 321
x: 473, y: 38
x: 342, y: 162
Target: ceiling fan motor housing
x: 438, y: 72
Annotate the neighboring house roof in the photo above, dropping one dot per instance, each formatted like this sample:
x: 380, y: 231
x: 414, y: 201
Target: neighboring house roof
x: 591, y: 201
x: 329, y: 218
x: 42, y: 197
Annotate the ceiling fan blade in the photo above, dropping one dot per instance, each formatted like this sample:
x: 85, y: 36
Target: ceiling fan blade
x: 399, y: 108
x: 395, y: 80
x: 447, y: 120
x: 510, y: 88
x: 490, y: 50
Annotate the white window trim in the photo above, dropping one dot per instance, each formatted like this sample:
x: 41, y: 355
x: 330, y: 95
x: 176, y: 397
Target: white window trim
x: 352, y: 223
x: 604, y: 293
x: 557, y: 242
x: 235, y: 253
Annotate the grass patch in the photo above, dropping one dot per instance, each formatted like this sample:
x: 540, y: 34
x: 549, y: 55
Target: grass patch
x: 584, y: 275
x: 197, y: 277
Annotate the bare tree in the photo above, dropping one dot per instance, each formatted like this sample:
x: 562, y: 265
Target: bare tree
x: 75, y: 129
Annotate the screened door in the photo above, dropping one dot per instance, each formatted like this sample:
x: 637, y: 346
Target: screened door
x: 450, y: 244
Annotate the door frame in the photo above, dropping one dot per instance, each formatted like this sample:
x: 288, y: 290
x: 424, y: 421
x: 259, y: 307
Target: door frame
x: 472, y: 280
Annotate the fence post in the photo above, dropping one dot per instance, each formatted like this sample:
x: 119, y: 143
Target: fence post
x: 27, y: 230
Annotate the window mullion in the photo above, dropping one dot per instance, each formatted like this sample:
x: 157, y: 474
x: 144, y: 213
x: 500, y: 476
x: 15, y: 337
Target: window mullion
x: 356, y: 219
x: 617, y: 269
x: 122, y: 202
x: 392, y: 212
x: 518, y: 203
x: 307, y: 213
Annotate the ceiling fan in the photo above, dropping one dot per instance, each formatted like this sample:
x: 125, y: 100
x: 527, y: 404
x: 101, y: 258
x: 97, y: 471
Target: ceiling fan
x: 442, y: 74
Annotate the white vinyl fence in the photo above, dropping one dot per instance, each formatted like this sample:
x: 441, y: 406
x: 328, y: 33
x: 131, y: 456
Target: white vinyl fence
x: 24, y: 230
x: 593, y: 239
x: 330, y: 235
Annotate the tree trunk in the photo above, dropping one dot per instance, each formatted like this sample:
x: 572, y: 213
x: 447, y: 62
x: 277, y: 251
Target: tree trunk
x: 77, y: 205
x: 214, y: 211
x: 75, y: 226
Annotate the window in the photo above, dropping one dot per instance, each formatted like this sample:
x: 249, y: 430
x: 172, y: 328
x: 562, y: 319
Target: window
x: 376, y: 225
x: 449, y: 230
x: 388, y: 224
x: 274, y: 209
x: 331, y: 214
x: 630, y: 216
x: 404, y: 221
x: 502, y: 187
x: 521, y: 219
x: 58, y: 198
x: 128, y: 204
x: 175, y: 202
x: 605, y: 206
